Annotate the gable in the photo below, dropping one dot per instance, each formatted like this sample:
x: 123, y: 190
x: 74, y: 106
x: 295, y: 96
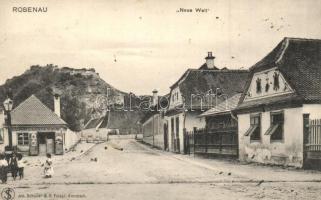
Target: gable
x: 267, y: 83
x: 175, y: 98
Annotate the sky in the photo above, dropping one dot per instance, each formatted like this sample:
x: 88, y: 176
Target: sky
x: 141, y: 45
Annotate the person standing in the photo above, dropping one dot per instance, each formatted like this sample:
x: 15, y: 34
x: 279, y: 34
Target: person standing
x: 21, y: 166
x: 48, y: 167
x: 13, y: 164
x: 3, y: 168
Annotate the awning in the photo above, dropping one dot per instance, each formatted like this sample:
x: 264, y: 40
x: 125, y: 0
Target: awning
x: 251, y: 130
x: 272, y: 129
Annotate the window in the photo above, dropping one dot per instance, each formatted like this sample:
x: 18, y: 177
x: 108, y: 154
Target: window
x: 23, y: 139
x: 1, y: 135
x: 276, y: 83
x: 276, y: 128
x: 258, y: 86
x: 255, y: 128
x: 267, y: 85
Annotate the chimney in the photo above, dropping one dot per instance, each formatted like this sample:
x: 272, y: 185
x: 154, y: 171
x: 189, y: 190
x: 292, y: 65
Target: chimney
x: 155, y: 97
x: 57, y: 104
x: 210, y: 60
x: 56, y: 93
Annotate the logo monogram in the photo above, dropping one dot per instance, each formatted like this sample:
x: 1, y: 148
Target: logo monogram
x: 7, y: 194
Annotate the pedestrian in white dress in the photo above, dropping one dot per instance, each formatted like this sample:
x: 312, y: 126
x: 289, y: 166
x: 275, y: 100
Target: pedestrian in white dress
x: 48, y: 170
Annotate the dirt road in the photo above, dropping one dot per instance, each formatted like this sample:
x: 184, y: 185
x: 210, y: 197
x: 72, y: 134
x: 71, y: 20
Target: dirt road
x: 138, y: 172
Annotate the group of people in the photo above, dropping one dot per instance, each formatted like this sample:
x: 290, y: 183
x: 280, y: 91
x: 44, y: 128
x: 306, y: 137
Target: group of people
x: 15, y: 164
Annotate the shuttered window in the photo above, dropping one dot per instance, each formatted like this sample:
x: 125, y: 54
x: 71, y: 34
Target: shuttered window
x: 255, y: 128
x: 276, y: 127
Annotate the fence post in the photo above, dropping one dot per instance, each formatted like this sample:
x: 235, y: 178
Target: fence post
x: 194, y: 139
x: 206, y: 142
x: 305, y: 139
x: 221, y: 141
x: 184, y: 141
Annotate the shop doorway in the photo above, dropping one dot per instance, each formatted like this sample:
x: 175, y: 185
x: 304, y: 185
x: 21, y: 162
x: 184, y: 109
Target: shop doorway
x: 46, y: 142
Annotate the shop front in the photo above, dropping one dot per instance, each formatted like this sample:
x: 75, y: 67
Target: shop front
x: 39, y: 141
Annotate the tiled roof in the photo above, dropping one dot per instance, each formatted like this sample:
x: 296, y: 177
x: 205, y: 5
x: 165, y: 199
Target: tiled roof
x: 223, y: 107
x: 123, y: 119
x: 116, y: 119
x: 33, y: 112
x: 200, y: 82
x: 205, y: 67
x: 299, y: 61
x: 93, y: 123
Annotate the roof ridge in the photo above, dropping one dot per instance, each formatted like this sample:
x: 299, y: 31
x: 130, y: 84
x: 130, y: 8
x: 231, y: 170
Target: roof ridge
x: 220, y: 70
x: 46, y: 107
x: 285, y: 44
x: 181, y: 77
x: 277, y: 50
x: 101, y: 120
x: 24, y: 102
x: 40, y: 104
x: 88, y: 123
x: 302, y: 39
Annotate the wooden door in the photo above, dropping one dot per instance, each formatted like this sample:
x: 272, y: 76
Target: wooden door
x: 50, y: 145
x: 42, y: 149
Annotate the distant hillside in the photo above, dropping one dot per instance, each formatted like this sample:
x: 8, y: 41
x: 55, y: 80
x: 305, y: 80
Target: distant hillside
x: 79, y: 87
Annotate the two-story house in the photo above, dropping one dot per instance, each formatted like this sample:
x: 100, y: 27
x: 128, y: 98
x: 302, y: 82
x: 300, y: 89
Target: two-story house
x: 195, y: 92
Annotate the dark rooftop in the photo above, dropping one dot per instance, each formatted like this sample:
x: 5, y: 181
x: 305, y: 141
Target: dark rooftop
x: 299, y: 61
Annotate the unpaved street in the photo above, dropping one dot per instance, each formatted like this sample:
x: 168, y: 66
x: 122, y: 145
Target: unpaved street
x: 139, y: 172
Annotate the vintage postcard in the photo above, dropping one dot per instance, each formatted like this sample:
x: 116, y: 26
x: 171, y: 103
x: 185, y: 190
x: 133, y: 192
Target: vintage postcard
x: 160, y: 99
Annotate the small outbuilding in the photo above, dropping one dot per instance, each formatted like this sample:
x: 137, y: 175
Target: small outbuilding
x: 37, y: 130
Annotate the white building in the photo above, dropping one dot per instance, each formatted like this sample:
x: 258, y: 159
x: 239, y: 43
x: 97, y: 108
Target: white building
x: 282, y: 96
x: 195, y: 93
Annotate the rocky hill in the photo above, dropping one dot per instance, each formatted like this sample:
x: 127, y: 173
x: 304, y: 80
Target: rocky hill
x: 80, y: 89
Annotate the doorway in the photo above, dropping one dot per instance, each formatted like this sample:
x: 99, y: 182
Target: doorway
x: 165, y: 137
x: 46, y: 142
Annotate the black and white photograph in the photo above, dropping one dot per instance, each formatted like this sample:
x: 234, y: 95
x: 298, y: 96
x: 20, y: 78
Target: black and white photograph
x: 160, y: 99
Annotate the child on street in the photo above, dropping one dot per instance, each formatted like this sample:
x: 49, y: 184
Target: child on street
x: 48, y: 168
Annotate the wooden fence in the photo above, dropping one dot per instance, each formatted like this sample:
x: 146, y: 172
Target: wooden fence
x: 212, y: 142
x: 314, y: 137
